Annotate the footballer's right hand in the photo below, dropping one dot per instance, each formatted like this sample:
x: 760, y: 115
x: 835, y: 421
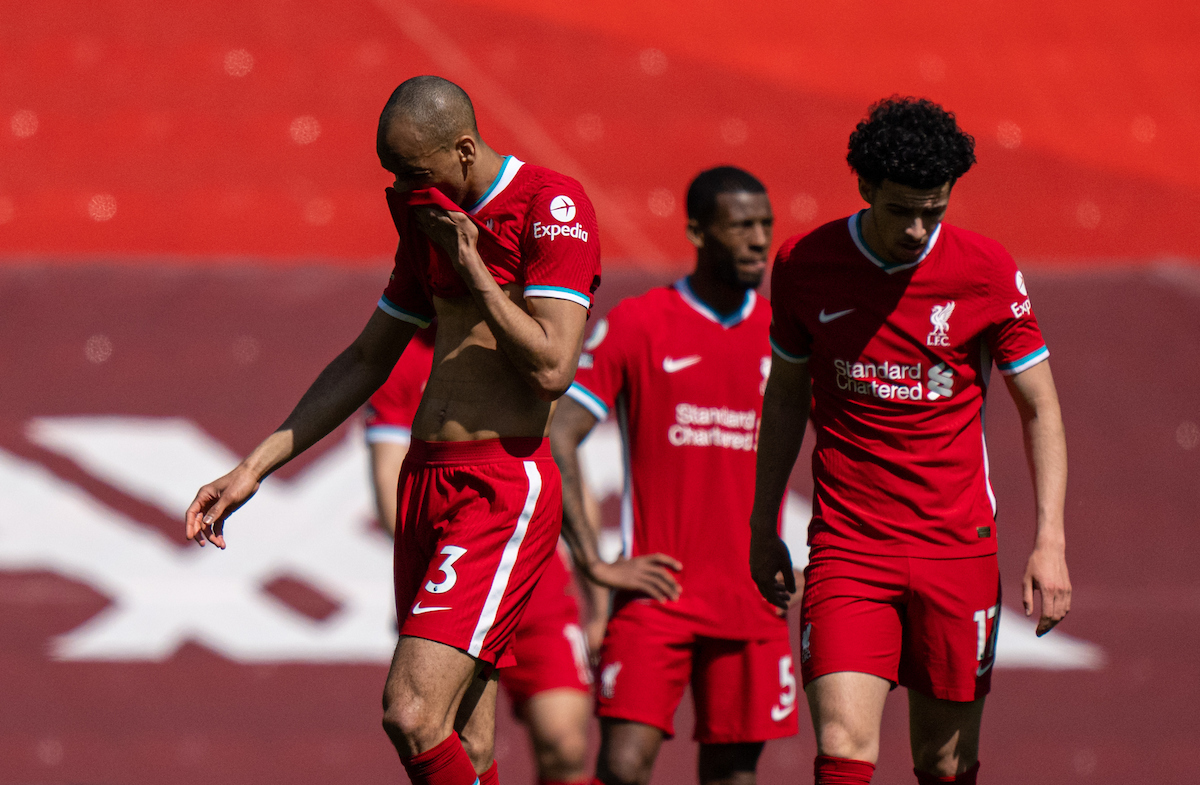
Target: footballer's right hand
x: 771, y: 569
x: 215, y: 502
x: 649, y: 574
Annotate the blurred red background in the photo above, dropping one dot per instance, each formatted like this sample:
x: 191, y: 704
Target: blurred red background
x: 219, y: 129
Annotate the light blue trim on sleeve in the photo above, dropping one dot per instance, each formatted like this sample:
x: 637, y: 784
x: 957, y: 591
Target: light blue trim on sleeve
x: 390, y: 309
x: 394, y: 434
x: 1025, y: 363
x: 558, y: 293
x: 785, y: 356
x: 588, y: 400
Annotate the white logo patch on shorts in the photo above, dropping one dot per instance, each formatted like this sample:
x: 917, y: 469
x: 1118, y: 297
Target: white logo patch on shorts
x: 608, y: 680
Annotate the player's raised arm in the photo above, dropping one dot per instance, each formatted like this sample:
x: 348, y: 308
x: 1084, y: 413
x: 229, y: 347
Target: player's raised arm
x: 542, y: 343
x: 1046, y: 449
x: 786, y: 404
x: 336, y: 394
x: 649, y: 574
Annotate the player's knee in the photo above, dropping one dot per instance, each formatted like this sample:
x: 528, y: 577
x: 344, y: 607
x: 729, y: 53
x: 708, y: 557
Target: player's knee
x: 562, y: 754
x: 841, y: 740
x: 624, y: 765
x: 410, y: 725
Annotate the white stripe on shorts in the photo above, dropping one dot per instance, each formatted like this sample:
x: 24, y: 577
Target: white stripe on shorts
x: 509, y: 558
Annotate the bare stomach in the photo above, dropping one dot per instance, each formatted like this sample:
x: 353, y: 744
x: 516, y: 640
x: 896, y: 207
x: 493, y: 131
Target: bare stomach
x: 474, y: 391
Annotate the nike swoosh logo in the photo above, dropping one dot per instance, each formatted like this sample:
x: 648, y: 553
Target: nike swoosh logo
x: 672, y: 364
x: 779, y: 712
x: 982, y: 669
x: 417, y: 610
x: 826, y: 318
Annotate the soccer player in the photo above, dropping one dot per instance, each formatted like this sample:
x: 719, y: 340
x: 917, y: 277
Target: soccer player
x: 550, y: 686
x: 684, y: 367
x: 506, y: 256
x: 888, y: 322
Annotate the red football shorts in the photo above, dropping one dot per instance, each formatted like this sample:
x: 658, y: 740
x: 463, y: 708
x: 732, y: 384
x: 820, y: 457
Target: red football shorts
x: 928, y: 624
x: 744, y: 691
x: 550, y: 647
x: 477, y: 523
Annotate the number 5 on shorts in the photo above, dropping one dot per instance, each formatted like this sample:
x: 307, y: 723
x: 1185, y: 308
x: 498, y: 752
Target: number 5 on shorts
x: 452, y: 553
x: 787, y: 687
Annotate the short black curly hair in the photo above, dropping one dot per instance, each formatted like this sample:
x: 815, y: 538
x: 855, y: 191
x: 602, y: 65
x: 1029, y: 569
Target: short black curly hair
x: 912, y: 142
x: 702, y: 193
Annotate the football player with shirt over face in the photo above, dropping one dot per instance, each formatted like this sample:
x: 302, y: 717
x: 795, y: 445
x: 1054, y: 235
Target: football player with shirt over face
x: 682, y: 368
x: 888, y: 322
x: 506, y: 256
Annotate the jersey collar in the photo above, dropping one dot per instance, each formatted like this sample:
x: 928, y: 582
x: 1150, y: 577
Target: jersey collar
x: 855, y: 224
x: 737, y: 317
x: 508, y: 170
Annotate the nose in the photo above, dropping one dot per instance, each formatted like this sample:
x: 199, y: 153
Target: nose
x: 916, y: 229
x: 760, y: 236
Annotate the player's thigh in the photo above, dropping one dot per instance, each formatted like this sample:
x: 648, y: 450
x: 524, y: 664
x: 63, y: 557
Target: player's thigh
x: 745, y: 691
x: 847, y: 709
x: 729, y: 764
x: 851, y: 614
x: 944, y: 735
x: 951, y: 624
x: 645, y: 666
x: 425, y: 685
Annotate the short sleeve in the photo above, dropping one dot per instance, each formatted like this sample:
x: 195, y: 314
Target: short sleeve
x: 1014, y: 338
x: 560, y: 246
x: 603, y: 365
x: 405, y: 298
x: 790, y: 339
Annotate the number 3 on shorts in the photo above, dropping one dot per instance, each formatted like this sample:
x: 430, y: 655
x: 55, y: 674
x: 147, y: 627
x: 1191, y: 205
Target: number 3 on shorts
x: 452, y: 553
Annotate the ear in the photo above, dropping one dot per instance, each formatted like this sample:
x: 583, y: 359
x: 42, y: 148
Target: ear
x: 866, y: 191
x: 467, y: 149
x: 695, y: 234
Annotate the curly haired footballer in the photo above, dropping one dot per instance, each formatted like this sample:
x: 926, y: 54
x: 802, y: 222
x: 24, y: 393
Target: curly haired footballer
x: 912, y: 142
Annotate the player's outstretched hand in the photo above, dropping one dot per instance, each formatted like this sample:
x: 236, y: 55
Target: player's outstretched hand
x: 215, y: 502
x: 649, y: 574
x: 451, y: 231
x: 1046, y: 573
x: 771, y: 569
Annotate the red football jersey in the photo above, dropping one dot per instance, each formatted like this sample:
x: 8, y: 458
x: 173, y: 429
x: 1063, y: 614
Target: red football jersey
x: 537, y: 228
x: 687, y: 386
x: 900, y: 357
x: 392, y: 408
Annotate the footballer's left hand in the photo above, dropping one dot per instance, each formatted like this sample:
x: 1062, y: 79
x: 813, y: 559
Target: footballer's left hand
x: 1046, y: 573
x: 771, y: 569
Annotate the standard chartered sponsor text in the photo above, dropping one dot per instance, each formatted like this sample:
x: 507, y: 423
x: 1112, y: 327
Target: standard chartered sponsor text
x: 894, y: 381
x: 885, y: 379
x: 712, y: 426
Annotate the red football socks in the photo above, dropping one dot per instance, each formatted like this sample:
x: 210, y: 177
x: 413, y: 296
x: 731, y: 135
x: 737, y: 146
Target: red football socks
x: 842, y: 771
x: 966, y: 778
x: 491, y: 776
x: 445, y: 764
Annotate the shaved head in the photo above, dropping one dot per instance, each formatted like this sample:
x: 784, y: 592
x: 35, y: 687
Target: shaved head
x: 435, y: 109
